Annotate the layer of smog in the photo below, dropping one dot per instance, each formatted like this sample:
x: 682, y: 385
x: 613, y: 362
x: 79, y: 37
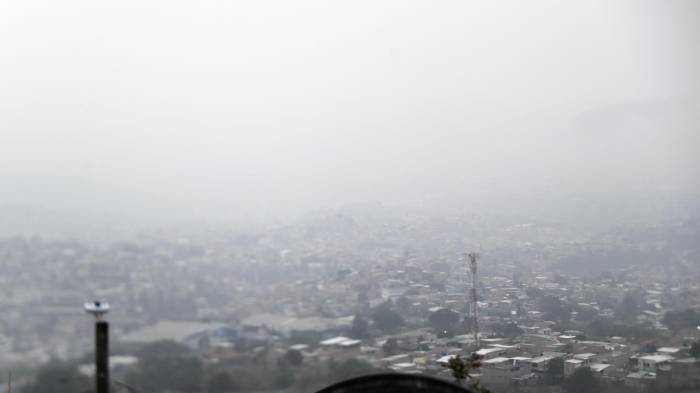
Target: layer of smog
x: 317, y: 196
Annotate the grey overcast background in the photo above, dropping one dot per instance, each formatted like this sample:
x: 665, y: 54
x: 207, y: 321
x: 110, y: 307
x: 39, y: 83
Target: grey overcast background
x: 262, y: 109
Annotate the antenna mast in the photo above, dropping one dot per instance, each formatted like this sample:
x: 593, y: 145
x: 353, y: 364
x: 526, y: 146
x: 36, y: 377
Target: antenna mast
x: 473, y: 258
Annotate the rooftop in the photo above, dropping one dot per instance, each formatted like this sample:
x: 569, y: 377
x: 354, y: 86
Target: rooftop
x: 657, y: 358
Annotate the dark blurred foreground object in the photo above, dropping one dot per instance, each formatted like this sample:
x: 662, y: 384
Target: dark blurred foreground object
x: 99, y: 309
x: 395, y: 383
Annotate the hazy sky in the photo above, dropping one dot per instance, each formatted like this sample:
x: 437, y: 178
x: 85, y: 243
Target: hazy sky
x: 249, y: 105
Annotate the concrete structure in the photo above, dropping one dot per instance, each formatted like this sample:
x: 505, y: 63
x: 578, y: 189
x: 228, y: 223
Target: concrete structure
x: 651, y: 362
x: 679, y: 374
x: 571, y: 365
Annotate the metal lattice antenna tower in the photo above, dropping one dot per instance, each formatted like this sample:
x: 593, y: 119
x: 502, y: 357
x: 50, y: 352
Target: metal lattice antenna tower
x: 473, y: 258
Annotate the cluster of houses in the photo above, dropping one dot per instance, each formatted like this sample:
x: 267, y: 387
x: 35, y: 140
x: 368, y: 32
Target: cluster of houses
x: 527, y: 360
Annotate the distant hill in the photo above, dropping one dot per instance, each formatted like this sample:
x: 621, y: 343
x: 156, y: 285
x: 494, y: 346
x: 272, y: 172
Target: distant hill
x: 668, y: 245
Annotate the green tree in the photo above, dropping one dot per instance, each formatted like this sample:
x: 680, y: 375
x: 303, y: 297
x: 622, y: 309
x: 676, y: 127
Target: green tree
x: 444, y: 321
x: 682, y: 319
x: 220, y: 382
x: 555, y: 309
x: 245, y: 380
x: 462, y: 368
x: 586, y: 314
x: 390, y: 347
x: 632, y: 304
x: 237, y: 380
x: 283, y: 378
x: 360, y: 327
x: 581, y: 381
x: 308, y: 337
x: 509, y: 330
x: 293, y: 358
x: 59, y: 377
x: 695, y: 350
x: 167, y: 365
x: 403, y: 305
x: 603, y: 327
x: 386, y: 319
x: 467, y: 325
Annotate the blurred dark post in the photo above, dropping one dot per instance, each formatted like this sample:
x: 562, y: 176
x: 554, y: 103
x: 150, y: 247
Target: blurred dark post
x: 102, y: 356
x: 98, y: 309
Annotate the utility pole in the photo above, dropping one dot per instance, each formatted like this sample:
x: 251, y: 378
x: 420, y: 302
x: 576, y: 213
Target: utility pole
x: 473, y: 257
x: 98, y: 309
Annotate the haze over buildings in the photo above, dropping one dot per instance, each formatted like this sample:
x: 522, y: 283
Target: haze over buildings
x: 279, y: 195
x: 261, y: 109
